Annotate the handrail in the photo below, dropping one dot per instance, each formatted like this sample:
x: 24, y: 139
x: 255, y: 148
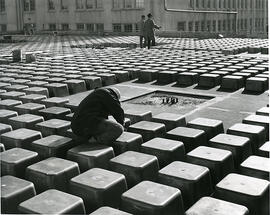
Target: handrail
x: 197, y: 11
x: 203, y: 11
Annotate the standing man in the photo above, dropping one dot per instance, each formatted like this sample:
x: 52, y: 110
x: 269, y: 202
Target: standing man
x: 150, y: 27
x: 142, y: 31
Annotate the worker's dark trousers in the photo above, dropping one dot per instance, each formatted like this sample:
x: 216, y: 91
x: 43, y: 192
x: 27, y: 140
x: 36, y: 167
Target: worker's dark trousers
x: 108, y: 131
x: 149, y: 41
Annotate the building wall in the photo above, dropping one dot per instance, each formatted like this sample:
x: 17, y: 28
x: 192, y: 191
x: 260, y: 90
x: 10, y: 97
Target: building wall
x: 251, y: 19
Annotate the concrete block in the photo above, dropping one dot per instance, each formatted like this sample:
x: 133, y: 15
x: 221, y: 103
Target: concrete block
x: 53, y: 202
x: 53, y: 126
x: 192, y: 138
x: 232, y: 82
x: 213, y: 206
x: 255, y: 84
x: 171, y: 120
x: 6, y: 114
x: 135, y: 166
x: 219, y: 161
x: 52, y: 146
x: 13, y: 192
x: 54, y: 112
x: 256, y: 134
x: 91, y: 156
x: 256, y: 166
x: 245, y: 190
x: 25, y: 121
x: 194, y: 181
x: 52, y: 173
x: 14, y: 161
x: 148, y: 130
x: 108, y: 211
x: 264, y: 150
x: 211, y: 127
x: 98, y: 187
x: 21, y: 138
x: 260, y: 121
x: 165, y: 150
x: 138, y: 115
x: 127, y: 142
x: 92, y: 82
x: 152, y: 198
x: 4, y: 128
x: 240, y: 147
x: 29, y: 108
x: 187, y: 78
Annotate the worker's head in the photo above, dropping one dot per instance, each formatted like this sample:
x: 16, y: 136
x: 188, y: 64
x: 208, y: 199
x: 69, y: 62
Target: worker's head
x: 143, y: 17
x: 116, y: 91
x: 149, y: 15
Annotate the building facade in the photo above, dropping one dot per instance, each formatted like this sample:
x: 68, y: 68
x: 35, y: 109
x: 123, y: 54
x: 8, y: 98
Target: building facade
x: 177, y: 17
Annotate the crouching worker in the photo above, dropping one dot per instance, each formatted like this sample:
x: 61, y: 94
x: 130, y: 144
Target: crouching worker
x: 90, y: 120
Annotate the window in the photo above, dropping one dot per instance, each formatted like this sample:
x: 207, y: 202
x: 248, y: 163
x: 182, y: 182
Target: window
x: 2, y: 5
x: 99, y: 4
x: 80, y: 26
x: 52, y: 27
x: 65, y: 27
x: 197, y: 26
x: 136, y: 27
x: 128, y: 4
x: 79, y: 4
x: 3, y: 28
x: 128, y: 28
x: 224, y: 3
x: 209, y: 3
x: 203, y: 3
x: 139, y: 3
x: 229, y: 3
x: 214, y: 26
x: 191, y: 3
x: 100, y: 27
x: 245, y: 23
x: 197, y: 3
x: 116, y: 27
x: 29, y: 5
x: 208, y: 26
x: 220, y: 3
x: 51, y: 5
x: 234, y: 3
x: 90, y: 27
x: 229, y: 24
x: 215, y: 4
x: 181, y: 26
x: 190, y: 26
x: 90, y: 4
x: 250, y: 22
x: 219, y: 25
x: 202, y: 25
x: 64, y: 4
x: 117, y: 4
x: 224, y: 25
x: 241, y: 24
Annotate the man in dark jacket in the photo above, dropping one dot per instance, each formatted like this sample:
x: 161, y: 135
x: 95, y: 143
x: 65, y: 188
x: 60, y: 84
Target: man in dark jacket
x: 91, y: 117
x: 141, y: 31
x: 149, y: 28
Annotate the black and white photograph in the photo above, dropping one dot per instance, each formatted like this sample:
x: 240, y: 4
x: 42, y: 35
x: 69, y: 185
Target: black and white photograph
x: 134, y: 107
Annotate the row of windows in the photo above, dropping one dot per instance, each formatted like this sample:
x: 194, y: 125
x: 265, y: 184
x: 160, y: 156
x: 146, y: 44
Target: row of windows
x: 227, y: 3
x: 219, y: 25
x: 97, y: 4
x: 91, y: 27
x: 2, y: 5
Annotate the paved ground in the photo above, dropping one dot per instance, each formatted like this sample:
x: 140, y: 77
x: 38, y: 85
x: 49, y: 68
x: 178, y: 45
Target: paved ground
x: 70, y: 62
